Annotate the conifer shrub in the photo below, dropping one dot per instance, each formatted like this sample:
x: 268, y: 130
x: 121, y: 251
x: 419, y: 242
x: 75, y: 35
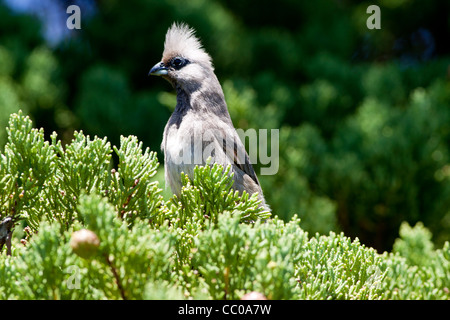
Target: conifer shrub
x: 76, y: 226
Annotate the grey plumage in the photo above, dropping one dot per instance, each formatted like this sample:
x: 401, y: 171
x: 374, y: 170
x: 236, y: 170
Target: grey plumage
x: 200, y: 126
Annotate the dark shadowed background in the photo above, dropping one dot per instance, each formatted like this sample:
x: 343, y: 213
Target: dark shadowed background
x: 364, y: 115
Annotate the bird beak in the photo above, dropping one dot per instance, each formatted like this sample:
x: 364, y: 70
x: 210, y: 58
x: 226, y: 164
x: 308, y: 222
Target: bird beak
x: 158, y: 69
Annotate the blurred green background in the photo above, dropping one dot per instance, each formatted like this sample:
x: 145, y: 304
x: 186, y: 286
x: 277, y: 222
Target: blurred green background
x: 364, y: 115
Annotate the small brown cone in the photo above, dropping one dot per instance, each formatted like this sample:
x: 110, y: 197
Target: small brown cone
x: 84, y: 243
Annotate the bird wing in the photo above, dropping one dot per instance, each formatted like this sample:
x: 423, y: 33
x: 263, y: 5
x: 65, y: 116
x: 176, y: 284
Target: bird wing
x: 235, y: 151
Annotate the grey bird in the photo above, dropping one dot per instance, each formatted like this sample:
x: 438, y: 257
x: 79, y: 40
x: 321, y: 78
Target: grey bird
x: 200, y: 126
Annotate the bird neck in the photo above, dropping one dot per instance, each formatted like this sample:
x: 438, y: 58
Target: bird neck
x: 183, y: 100
x: 205, y: 98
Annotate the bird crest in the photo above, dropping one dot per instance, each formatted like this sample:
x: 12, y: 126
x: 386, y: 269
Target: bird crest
x: 181, y: 41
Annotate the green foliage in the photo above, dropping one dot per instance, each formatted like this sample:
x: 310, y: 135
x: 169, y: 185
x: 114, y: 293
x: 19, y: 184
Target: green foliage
x: 209, y: 183
x: 415, y: 263
x: 127, y: 257
x: 209, y: 243
x: 415, y: 244
x: 403, y: 277
x: 41, y: 268
x: 27, y: 165
x: 335, y: 267
x: 363, y: 114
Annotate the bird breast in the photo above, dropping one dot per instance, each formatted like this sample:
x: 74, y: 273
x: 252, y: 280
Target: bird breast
x: 188, y: 143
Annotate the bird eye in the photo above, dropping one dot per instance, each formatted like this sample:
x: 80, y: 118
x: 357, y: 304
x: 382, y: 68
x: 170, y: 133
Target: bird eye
x: 178, y: 62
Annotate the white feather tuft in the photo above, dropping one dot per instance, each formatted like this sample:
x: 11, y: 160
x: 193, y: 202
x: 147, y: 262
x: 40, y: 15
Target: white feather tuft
x: 181, y: 41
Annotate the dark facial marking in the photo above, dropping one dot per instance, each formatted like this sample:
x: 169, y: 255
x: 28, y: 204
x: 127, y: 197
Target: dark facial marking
x: 178, y: 62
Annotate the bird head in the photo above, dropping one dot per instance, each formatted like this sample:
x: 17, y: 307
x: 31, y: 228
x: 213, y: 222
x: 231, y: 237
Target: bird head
x: 185, y: 63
